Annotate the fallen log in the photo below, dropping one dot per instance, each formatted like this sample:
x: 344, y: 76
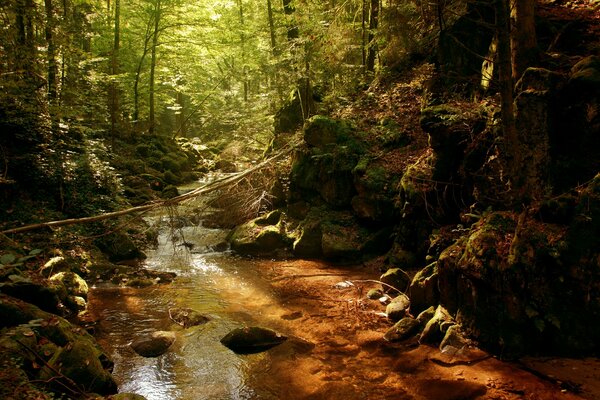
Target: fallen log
x: 208, y: 188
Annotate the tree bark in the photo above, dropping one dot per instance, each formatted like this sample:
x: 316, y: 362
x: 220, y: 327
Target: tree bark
x: 274, y: 51
x: 51, y: 54
x: 114, y: 70
x: 373, y: 25
x: 157, y: 14
x: 511, y: 142
x: 523, y: 37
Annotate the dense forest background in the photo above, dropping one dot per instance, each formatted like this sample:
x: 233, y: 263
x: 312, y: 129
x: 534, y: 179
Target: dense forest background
x: 453, y: 144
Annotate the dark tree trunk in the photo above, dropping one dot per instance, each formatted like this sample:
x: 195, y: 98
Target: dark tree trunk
x: 373, y: 25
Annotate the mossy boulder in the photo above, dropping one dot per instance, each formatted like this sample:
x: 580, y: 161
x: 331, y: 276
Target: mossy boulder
x: 395, y: 280
x: 119, y: 247
x: 404, y: 329
x: 321, y: 131
x: 523, y: 286
x: 376, y: 191
x: 67, y: 349
x: 74, y: 283
x: 398, y: 307
x: 309, y: 240
x: 436, y: 327
x: 258, y: 239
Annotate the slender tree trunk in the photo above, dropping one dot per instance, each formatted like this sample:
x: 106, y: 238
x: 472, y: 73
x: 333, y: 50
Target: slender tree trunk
x: 511, y: 141
x: 151, y: 117
x: 373, y: 25
x: 274, y: 51
x: 364, y: 35
x: 523, y: 36
x: 51, y: 54
x: 243, y: 46
x: 114, y: 70
x: 138, y: 73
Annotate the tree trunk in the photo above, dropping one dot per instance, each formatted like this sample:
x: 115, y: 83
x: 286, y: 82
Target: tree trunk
x: 364, y: 35
x: 511, y: 142
x: 114, y: 70
x: 243, y: 48
x: 51, y: 54
x: 373, y: 25
x: 151, y: 117
x: 523, y: 38
x: 274, y: 51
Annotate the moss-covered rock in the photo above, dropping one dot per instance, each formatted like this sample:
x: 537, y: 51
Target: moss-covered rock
x: 321, y: 131
x: 74, y: 283
x: 309, y: 240
x: 69, y: 350
x: 404, y: 329
x: 398, y: 307
x: 119, y: 247
x: 423, y: 290
x: 395, y: 279
x: 525, y: 286
x: 259, y: 239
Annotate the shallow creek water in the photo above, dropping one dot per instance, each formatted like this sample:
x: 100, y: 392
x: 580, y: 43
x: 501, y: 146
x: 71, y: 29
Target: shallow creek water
x: 335, y: 349
x: 230, y: 290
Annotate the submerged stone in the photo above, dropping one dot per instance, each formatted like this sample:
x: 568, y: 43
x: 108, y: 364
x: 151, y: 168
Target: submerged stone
x: 187, y: 317
x: 252, y: 339
x: 154, y: 345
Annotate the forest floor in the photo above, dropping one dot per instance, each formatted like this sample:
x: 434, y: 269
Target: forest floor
x: 351, y: 360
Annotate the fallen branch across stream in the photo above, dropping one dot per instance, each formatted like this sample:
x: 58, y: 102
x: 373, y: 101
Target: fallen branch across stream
x: 208, y: 188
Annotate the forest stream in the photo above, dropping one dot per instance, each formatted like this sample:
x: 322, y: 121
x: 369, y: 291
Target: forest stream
x: 334, y: 349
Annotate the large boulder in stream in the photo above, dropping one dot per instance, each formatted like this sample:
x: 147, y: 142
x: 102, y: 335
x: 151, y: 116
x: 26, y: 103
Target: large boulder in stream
x: 154, y: 345
x: 119, y: 247
x: 262, y: 236
x: 252, y: 339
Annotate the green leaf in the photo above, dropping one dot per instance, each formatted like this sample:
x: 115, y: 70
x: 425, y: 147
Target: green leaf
x: 7, y: 258
x: 35, y: 252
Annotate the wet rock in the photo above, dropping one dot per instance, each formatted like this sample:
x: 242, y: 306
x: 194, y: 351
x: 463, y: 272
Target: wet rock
x: 396, y: 278
x: 423, y: 289
x: 398, y: 307
x: 252, y: 340
x: 404, y: 329
x: 154, y: 345
x: 187, y: 317
x: 119, y: 247
x: 433, y: 332
x: 448, y: 389
x: 74, y: 283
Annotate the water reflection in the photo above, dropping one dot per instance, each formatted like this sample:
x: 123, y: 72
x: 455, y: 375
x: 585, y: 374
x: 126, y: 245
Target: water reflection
x: 197, y: 366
